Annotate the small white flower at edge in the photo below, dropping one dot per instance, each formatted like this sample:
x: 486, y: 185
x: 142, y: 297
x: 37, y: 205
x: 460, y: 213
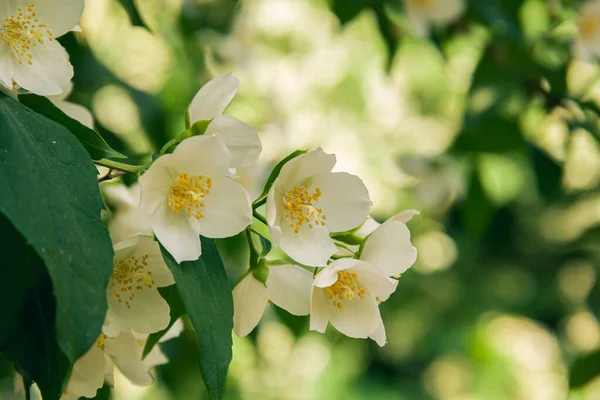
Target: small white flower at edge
x: 308, y: 201
x: 587, y: 44
x: 288, y: 286
x: 97, y: 365
x: 30, y: 55
x: 190, y: 192
x: 347, y: 292
x: 422, y: 13
x: 240, y: 138
x: 128, y: 219
x: 134, y: 302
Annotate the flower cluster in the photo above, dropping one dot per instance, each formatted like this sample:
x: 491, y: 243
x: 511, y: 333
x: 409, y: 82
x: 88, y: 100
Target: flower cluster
x: 191, y: 189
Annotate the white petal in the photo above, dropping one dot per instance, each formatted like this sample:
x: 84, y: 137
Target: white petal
x: 290, y: 287
x: 147, y: 313
x: 50, y: 70
x: 173, y: 332
x: 8, y: 8
x: 405, y: 216
x: 358, y: 318
x: 176, y: 235
x: 376, y: 283
x: 389, y: 248
x: 155, y: 357
x: 250, y: 298
x: 202, y: 155
x: 147, y: 247
x: 213, y: 97
x: 328, y: 275
x: 156, y: 183
x: 298, y: 170
x: 77, y: 112
x: 274, y: 204
x: 126, y: 352
x: 120, y: 195
x: 60, y: 16
x: 319, y: 310
x: 379, y: 335
x: 227, y: 209
x: 241, y: 140
x: 88, y: 374
x: 7, y: 66
x: 345, y: 200
x: 311, y: 247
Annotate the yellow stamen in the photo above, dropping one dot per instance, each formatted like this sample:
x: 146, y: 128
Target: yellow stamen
x: 21, y: 33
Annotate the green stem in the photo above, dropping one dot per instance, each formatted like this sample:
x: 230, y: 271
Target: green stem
x: 253, y: 251
x: 134, y: 169
x: 259, y: 202
x: 168, y: 145
x: 259, y: 217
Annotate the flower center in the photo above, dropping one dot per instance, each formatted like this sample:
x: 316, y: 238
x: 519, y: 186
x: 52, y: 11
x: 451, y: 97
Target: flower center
x: 187, y: 193
x: 100, y: 341
x: 22, y: 32
x: 589, y: 26
x: 345, y: 288
x: 298, y: 208
x: 130, y: 276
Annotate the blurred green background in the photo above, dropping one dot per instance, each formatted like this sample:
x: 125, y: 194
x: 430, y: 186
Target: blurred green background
x: 489, y: 126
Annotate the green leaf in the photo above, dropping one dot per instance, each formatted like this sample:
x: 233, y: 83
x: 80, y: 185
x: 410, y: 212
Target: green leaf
x: 95, y: 145
x: 274, y: 174
x: 206, y: 294
x: 347, y: 10
x: 49, y: 192
x: 27, y: 330
x: 266, y: 245
x: 585, y: 369
x: 171, y: 295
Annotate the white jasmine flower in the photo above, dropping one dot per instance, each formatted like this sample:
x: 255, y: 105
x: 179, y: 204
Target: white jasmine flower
x: 129, y: 219
x: 89, y: 372
x: 97, y: 365
x: 423, y: 13
x: 75, y: 111
x: 190, y: 192
x: 347, y: 293
x: 349, y: 300
x: 208, y: 104
x: 389, y: 248
x: 308, y: 201
x: 126, y: 352
x: 288, y: 286
x: 587, y: 44
x: 134, y: 302
x: 29, y: 53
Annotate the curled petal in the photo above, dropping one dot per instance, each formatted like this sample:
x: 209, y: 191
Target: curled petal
x: 241, y: 140
x: 213, y: 97
x: 289, y: 288
x: 250, y: 298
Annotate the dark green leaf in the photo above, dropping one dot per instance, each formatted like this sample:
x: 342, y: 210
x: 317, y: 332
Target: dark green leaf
x: 95, y: 145
x: 347, y: 10
x: 27, y: 331
x: 585, y: 369
x: 171, y: 295
x: 477, y: 210
x: 495, y: 134
x: 49, y: 192
x: 206, y: 294
x: 275, y: 173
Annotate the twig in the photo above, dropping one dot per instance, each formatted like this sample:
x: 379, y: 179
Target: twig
x: 111, y: 175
